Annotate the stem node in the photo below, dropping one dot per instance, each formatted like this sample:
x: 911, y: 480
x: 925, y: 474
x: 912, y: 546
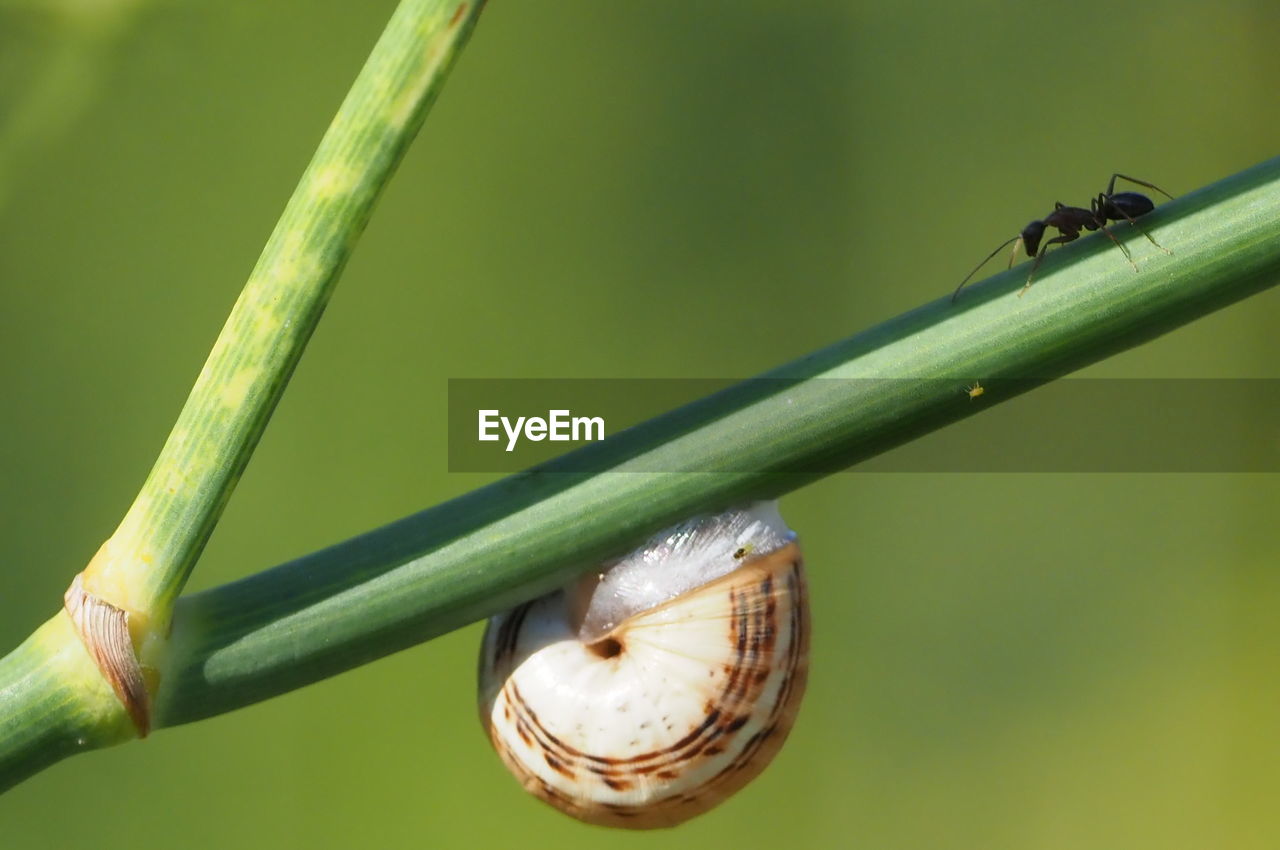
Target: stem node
x: 104, y: 629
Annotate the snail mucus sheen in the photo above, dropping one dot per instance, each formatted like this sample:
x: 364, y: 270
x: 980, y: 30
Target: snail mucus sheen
x: 653, y: 689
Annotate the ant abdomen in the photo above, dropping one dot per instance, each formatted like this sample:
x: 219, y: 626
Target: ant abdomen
x: 1129, y: 203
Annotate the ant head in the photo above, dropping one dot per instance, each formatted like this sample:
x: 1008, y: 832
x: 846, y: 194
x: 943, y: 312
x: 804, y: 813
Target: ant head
x: 1031, y: 236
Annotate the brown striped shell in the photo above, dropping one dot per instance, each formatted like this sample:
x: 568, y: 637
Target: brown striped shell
x: 669, y: 712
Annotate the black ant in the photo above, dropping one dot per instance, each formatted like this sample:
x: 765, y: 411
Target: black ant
x: 1107, y: 206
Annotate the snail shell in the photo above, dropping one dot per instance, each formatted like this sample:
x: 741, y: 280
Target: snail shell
x: 648, y: 693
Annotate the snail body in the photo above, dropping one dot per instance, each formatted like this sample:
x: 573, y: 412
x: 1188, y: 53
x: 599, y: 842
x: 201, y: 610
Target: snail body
x: 649, y: 692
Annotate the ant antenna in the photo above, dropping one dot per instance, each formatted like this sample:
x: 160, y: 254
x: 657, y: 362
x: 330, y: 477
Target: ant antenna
x: 1012, y: 256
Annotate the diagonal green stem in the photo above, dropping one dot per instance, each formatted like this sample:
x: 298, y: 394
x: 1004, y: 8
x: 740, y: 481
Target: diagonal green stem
x: 450, y: 565
x: 473, y: 556
x: 426, y: 574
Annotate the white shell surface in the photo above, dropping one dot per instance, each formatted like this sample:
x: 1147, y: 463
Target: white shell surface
x: 678, y: 707
x: 680, y: 559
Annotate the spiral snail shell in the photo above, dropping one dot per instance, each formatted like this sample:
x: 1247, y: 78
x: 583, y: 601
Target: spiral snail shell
x: 649, y: 692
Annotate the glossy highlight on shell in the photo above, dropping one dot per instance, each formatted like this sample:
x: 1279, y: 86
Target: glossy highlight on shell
x: 648, y: 719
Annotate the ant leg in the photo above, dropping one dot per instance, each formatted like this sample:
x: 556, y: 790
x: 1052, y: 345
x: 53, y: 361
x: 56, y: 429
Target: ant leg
x: 1150, y: 239
x: 1112, y: 185
x: 1123, y: 249
x: 1064, y: 238
x: 1096, y: 206
x: 1013, y: 255
x: 1017, y: 241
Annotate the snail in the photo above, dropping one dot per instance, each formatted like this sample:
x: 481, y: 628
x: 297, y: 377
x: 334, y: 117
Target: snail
x: 648, y: 692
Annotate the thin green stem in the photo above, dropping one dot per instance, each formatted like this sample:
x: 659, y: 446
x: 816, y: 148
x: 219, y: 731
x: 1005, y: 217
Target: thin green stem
x: 145, y: 564
x: 476, y: 555
x: 56, y: 700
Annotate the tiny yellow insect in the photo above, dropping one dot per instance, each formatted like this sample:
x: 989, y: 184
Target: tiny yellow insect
x: 974, y: 391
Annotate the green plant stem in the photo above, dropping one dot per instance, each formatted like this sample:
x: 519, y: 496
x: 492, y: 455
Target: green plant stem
x: 471, y: 557
x: 145, y: 564
x: 55, y: 701
x: 468, y: 558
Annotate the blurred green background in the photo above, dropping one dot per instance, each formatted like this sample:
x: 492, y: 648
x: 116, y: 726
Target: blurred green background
x: 647, y: 189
